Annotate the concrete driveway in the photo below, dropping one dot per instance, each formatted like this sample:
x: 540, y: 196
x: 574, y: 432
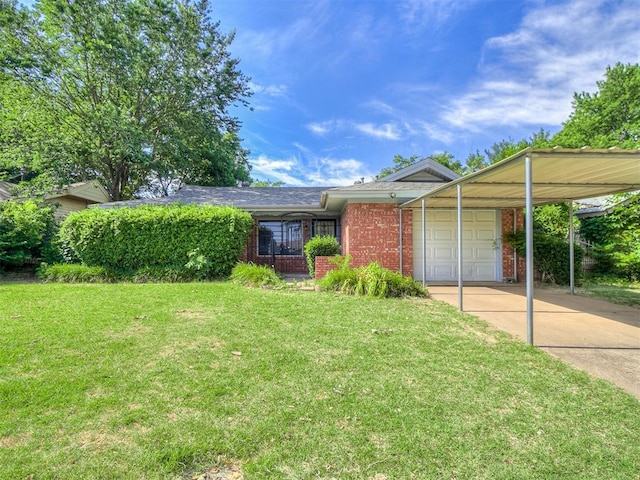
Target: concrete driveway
x: 596, y: 336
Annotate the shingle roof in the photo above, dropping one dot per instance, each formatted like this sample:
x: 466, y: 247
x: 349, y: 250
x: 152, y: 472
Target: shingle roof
x: 241, y: 197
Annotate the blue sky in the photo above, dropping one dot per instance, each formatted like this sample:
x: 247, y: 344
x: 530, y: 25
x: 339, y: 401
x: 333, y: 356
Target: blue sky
x: 341, y: 86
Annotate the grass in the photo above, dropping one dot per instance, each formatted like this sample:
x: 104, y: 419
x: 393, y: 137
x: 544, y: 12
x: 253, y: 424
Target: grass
x: 167, y: 381
x: 624, y: 293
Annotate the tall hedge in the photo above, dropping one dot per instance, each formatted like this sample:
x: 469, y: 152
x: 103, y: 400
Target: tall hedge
x: 149, y: 236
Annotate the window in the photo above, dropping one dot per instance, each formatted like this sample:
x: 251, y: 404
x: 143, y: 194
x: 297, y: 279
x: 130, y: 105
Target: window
x: 324, y: 227
x: 280, y: 237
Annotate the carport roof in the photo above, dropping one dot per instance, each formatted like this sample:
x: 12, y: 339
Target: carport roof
x: 558, y: 175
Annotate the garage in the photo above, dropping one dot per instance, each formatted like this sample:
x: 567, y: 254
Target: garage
x: 480, y: 237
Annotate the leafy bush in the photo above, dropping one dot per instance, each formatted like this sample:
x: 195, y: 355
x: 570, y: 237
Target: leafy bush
x: 167, y: 274
x: 253, y: 275
x: 371, y: 280
x: 617, y: 239
x: 198, y: 265
x: 130, y: 239
x: 26, y: 232
x: 550, y: 255
x: 73, y: 273
x: 320, y: 246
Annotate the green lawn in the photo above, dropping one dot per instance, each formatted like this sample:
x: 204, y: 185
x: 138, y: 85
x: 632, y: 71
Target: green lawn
x: 170, y: 381
x: 623, y: 293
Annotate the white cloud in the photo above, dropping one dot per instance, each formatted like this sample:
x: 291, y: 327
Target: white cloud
x: 420, y: 14
x: 379, y: 106
x: 310, y: 171
x: 337, y: 172
x: 277, y: 170
x: 387, y: 131
x: 268, y: 90
x: 528, y: 76
x: 264, y: 47
x: 434, y: 132
x: 321, y: 128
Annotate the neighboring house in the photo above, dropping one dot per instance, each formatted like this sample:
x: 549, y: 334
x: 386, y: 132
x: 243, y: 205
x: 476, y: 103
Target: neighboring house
x: 67, y: 199
x: 6, y: 189
x: 77, y: 196
x: 367, y: 220
x: 597, y: 207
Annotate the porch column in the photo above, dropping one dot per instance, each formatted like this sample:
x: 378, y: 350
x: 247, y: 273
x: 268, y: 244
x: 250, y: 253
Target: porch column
x: 572, y: 273
x: 459, y: 202
x: 529, y: 244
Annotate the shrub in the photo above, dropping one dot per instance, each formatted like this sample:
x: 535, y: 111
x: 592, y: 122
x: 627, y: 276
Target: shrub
x: 167, y: 274
x: 617, y: 239
x: 371, y: 280
x: 26, y: 232
x: 320, y: 246
x: 550, y: 255
x: 130, y: 239
x: 198, y: 265
x: 76, y: 273
x: 253, y: 275
x: 73, y: 273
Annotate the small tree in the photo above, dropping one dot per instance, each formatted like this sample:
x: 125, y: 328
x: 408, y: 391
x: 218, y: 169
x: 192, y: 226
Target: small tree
x: 26, y: 232
x: 617, y: 240
x: 325, y: 246
x: 550, y: 254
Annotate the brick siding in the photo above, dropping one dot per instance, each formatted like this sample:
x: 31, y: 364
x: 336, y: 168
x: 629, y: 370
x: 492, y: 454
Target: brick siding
x: 370, y: 233
x: 509, y: 219
x: 322, y: 266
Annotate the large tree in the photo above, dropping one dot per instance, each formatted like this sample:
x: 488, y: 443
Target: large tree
x: 504, y: 149
x: 609, y: 117
x: 136, y: 92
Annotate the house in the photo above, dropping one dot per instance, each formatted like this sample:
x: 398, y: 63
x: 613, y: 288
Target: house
x: 67, y: 199
x: 408, y: 221
x: 368, y: 221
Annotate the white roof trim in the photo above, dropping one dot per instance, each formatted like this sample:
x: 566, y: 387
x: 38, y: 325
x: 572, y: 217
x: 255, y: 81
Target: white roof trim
x: 427, y: 164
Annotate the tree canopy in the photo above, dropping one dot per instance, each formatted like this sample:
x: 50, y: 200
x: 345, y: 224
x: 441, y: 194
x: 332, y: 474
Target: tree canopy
x: 135, y: 93
x: 609, y: 117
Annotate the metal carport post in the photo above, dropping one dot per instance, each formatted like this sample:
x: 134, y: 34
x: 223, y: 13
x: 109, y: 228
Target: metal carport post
x: 459, y: 208
x: 528, y: 187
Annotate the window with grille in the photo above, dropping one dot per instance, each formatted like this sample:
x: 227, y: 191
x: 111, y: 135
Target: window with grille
x: 324, y: 227
x: 280, y: 237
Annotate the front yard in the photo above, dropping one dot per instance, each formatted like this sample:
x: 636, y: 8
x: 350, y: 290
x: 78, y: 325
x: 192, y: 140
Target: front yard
x: 174, y: 381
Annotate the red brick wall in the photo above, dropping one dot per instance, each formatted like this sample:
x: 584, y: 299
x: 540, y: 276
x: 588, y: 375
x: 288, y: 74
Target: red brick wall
x: 370, y: 233
x: 508, y: 221
x: 322, y: 266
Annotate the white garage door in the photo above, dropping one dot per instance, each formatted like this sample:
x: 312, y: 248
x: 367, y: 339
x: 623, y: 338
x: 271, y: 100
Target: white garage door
x: 481, y: 257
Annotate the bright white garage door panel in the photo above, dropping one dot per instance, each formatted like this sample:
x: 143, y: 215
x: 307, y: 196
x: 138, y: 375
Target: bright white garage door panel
x: 479, y: 233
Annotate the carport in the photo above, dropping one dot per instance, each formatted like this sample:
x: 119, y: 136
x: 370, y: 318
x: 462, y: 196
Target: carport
x: 529, y: 178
